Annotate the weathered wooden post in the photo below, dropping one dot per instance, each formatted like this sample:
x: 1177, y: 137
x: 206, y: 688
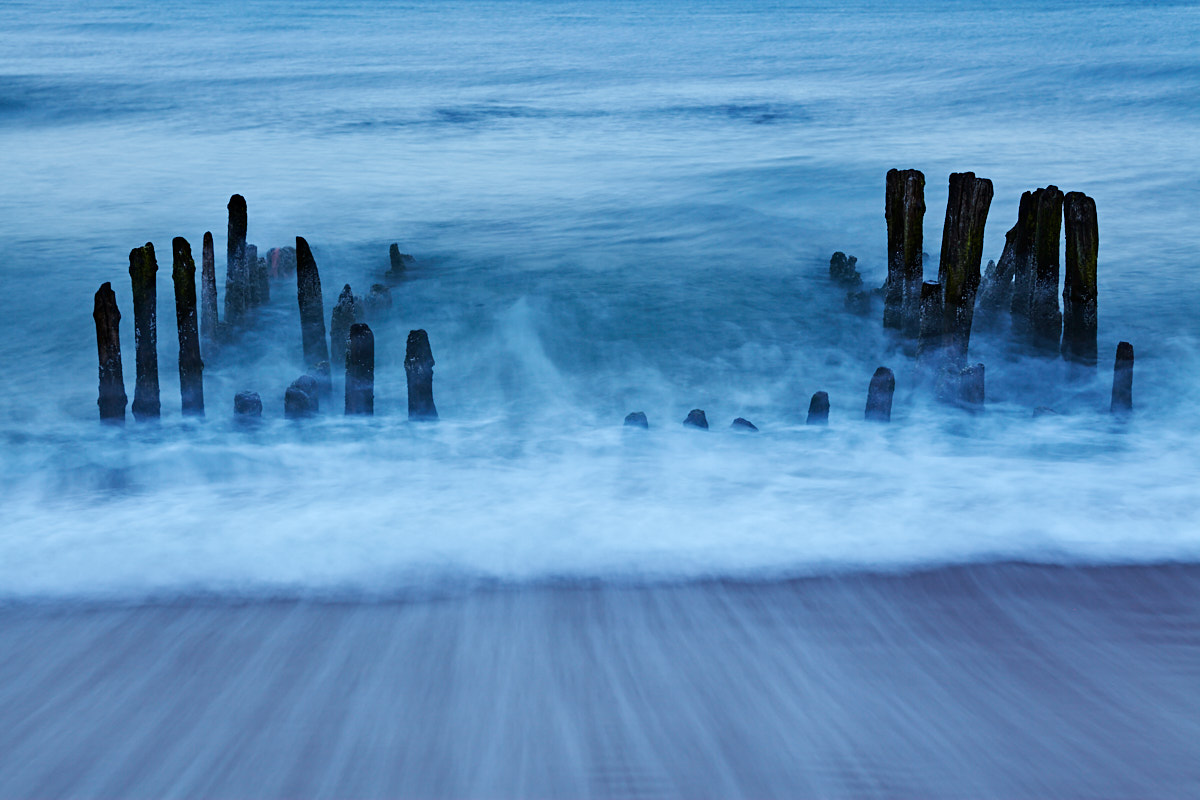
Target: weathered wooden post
x: 108, y: 345
x: 302, y: 398
x: 360, y: 370
x: 312, y: 312
x: 247, y: 404
x: 142, y: 270
x: 1079, y: 280
x: 191, y: 368
x: 879, y: 395
x: 1122, y: 391
x: 418, y: 366
x: 904, y: 210
x: 999, y: 286
x: 635, y: 419
x: 208, y: 292
x: 962, y: 252
x: 1045, y: 320
x: 743, y: 425
x: 696, y: 419
x: 929, y: 342
x: 1022, y: 236
x: 236, y: 275
x: 345, y: 314
x: 398, y: 261
x: 260, y: 281
x: 818, y: 409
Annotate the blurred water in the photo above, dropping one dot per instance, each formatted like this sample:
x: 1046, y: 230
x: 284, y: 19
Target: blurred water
x: 615, y: 207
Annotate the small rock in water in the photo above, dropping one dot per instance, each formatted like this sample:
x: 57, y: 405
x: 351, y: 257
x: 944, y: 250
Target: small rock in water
x: 637, y: 419
x: 742, y: 424
x: 247, y: 404
x: 696, y: 419
x: 818, y: 409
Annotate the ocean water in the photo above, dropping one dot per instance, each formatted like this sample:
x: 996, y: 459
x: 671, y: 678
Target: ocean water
x: 613, y: 207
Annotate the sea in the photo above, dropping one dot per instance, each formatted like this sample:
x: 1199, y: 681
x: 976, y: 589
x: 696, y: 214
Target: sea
x: 612, y: 206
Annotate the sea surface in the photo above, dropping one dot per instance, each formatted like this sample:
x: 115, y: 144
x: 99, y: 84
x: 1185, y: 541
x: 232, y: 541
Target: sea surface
x: 613, y: 207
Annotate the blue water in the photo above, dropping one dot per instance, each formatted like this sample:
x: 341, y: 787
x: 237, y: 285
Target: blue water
x: 614, y: 207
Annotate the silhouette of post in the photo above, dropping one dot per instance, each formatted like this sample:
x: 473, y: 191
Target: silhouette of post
x: 142, y: 270
x: 962, y: 252
x: 418, y: 366
x: 312, y: 311
x: 1045, y: 320
x: 1122, y: 391
x: 191, y: 368
x: 345, y: 314
x: 1022, y: 236
x: 108, y: 345
x: 904, y: 210
x: 696, y: 419
x: 208, y: 292
x: 818, y: 409
x: 879, y: 395
x: 237, y: 288
x: 360, y: 370
x: 1079, y: 280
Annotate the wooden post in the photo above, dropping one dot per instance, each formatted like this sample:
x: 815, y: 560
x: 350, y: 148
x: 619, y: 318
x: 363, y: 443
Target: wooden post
x: 142, y: 270
x: 345, y: 314
x: 418, y: 366
x: 108, y: 345
x: 696, y: 419
x: 1045, y: 320
x: 208, y: 292
x: 1022, y: 236
x: 312, y: 311
x: 247, y: 404
x: 818, y: 409
x: 999, y: 286
x: 1079, y: 280
x: 191, y: 368
x: 236, y: 274
x: 879, y: 395
x: 962, y: 252
x: 636, y: 419
x: 929, y: 342
x: 302, y: 398
x: 360, y: 370
x: 904, y: 210
x: 1122, y: 391
x: 743, y: 425
x: 398, y: 261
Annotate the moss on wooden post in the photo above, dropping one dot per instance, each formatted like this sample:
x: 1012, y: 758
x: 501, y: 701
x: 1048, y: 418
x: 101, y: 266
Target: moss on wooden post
x: 1079, y: 280
x: 904, y: 210
x: 962, y: 252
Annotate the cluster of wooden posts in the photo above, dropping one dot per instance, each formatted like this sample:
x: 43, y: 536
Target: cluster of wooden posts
x: 247, y: 287
x: 933, y: 319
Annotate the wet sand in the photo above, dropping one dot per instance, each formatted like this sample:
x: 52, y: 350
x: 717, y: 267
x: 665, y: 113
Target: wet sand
x: 1004, y: 680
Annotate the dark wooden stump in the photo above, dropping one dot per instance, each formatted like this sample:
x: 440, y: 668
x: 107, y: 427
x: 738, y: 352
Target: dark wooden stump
x: 1022, y: 236
x: 696, y: 419
x: 636, y: 419
x: 108, y: 345
x: 962, y: 253
x: 818, y: 409
x: 237, y: 288
x: 744, y: 425
x: 904, y: 210
x: 345, y: 314
x: 1122, y: 391
x: 418, y: 366
x: 142, y: 270
x: 312, y: 310
x: 1079, y: 280
x: 209, y: 320
x: 360, y: 371
x: 842, y: 270
x: 302, y: 398
x: 398, y: 261
x: 879, y: 395
x: 247, y: 404
x: 191, y: 368
x: 1045, y: 320
x: 929, y: 341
